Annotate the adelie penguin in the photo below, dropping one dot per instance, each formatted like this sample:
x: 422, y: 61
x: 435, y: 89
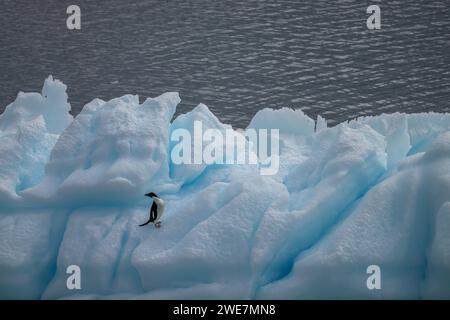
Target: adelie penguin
x: 156, y: 210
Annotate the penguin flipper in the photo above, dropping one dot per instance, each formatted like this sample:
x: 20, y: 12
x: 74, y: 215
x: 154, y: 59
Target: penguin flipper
x: 153, y: 212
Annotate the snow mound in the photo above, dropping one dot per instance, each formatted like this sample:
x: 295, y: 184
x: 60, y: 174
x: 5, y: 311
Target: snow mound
x: 372, y: 191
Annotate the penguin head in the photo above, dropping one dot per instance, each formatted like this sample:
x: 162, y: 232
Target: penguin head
x: 151, y: 195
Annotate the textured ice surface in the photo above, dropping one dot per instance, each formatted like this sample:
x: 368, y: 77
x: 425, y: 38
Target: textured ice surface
x: 373, y: 191
x: 29, y: 128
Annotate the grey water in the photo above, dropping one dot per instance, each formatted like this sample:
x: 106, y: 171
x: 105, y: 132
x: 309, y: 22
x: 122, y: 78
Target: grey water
x: 237, y: 57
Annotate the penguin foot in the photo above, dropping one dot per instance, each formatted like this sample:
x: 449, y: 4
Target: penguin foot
x: 158, y: 224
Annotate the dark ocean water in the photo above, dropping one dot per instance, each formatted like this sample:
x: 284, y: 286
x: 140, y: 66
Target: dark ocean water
x: 235, y: 56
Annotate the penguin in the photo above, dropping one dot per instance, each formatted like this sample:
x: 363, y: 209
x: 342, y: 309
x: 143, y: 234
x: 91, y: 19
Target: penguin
x: 156, y: 210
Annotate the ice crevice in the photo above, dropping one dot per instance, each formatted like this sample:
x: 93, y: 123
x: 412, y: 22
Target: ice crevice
x: 374, y: 190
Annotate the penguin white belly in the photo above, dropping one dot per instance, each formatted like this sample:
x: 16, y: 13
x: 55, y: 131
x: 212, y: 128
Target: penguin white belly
x: 160, y: 208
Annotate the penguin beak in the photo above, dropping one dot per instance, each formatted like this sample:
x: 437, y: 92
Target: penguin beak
x: 151, y: 195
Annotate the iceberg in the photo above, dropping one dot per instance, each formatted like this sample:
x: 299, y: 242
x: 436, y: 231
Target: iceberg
x: 370, y: 191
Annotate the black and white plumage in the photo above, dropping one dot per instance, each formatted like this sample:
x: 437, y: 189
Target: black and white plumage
x: 156, y: 211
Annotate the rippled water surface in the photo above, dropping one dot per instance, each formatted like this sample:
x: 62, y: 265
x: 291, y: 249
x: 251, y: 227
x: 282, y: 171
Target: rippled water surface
x: 235, y: 56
